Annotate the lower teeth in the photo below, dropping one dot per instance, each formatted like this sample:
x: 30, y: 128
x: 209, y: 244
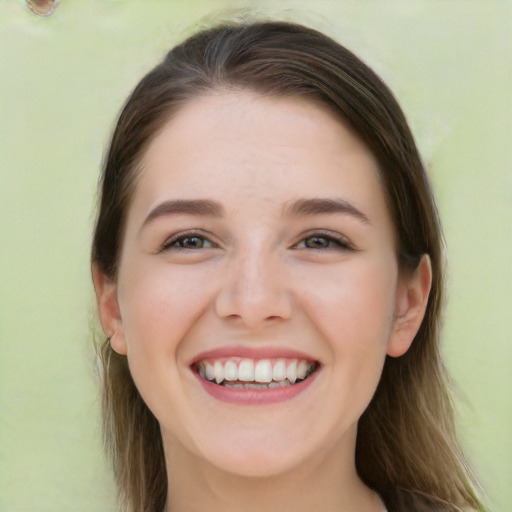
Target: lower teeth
x: 257, y: 385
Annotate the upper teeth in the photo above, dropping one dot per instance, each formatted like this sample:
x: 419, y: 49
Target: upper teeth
x: 250, y: 370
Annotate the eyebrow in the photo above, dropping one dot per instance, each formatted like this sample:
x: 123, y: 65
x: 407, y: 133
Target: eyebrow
x: 318, y: 206
x: 202, y: 207
x: 300, y: 207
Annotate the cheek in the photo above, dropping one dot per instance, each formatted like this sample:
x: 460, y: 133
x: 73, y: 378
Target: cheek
x: 160, y: 304
x: 353, y: 305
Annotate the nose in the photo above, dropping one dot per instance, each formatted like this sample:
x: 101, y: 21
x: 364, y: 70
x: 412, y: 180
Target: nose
x: 254, y: 291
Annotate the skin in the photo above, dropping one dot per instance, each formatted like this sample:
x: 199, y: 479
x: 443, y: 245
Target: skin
x: 257, y: 278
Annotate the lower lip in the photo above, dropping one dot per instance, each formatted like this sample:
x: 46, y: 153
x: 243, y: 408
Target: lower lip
x: 256, y: 396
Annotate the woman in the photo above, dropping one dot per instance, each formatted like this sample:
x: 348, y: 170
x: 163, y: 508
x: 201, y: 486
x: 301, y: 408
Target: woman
x: 267, y: 261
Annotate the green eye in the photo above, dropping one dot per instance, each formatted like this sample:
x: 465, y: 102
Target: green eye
x: 324, y: 241
x: 318, y: 242
x: 185, y: 242
x: 191, y: 242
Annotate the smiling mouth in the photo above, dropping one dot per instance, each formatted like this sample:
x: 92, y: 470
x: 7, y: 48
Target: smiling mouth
x: 255, y: 373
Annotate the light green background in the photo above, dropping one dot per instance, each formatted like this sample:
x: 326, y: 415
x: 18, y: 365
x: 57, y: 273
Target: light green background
x: 62, y: 81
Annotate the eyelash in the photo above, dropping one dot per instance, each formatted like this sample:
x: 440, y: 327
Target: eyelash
x: 333, y: 241
x: 175, y: 240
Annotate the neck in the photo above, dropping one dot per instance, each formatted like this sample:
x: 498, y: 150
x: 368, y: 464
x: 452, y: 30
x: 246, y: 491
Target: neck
x: 328, y: 482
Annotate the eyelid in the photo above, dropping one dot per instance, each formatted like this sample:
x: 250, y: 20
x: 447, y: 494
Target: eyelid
x: 189, y: 233
x: 343, y: 243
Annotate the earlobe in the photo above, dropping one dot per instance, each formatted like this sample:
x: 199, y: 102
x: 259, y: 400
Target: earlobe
x: 108, y: 308
x: 411, y: 304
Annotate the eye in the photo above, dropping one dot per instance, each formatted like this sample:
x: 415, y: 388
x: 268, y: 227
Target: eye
x: 324, y: 241
x: 318, y: 242
x: 185, y: 241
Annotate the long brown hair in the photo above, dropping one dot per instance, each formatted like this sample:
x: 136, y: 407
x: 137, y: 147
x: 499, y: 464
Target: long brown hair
x: 406, y: 438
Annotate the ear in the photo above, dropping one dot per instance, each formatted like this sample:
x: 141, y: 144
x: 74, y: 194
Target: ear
x: 108, y: 307
x: 411, y: 304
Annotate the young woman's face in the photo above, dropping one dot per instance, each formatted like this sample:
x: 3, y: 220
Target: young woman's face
x: 258, y: 251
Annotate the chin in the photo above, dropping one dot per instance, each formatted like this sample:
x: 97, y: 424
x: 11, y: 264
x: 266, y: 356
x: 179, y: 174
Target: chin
x: 261, y: 456
x: 260, y: 466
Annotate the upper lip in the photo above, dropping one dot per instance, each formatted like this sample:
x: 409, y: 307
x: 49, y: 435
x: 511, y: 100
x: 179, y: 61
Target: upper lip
x: 248, y: 352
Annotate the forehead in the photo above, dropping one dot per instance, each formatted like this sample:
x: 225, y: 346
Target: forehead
x: 239, y: 144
